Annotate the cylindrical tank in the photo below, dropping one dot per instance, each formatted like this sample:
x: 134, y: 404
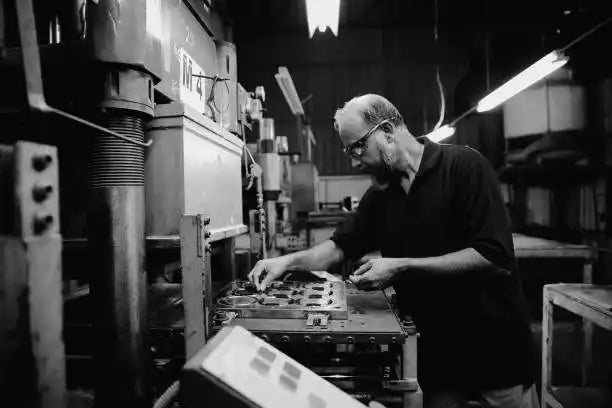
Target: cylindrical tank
x: 270, y: 165
x: 266, y: 129
x: 556, y: 105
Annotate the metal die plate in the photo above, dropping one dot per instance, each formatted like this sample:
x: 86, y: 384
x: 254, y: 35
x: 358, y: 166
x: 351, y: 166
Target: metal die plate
x: 370, y: 320
x: 284, y: 300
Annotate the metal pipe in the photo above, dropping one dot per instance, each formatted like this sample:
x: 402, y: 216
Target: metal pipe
x: 118, y: 284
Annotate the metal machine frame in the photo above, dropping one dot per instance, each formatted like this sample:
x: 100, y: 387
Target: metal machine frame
x: 32, y: 361
x: 371, y: 329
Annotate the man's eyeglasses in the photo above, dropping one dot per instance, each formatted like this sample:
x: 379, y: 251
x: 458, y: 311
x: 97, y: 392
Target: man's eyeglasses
x: 359, y: 147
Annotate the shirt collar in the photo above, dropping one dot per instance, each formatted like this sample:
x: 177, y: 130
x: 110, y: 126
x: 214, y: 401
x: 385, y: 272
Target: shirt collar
x: 431, y: 155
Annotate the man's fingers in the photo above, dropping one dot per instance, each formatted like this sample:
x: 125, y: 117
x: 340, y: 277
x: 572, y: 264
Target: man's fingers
x: 265, y: 282
x: 363, y: 284
x: 362, y: 260
x: 255, y: 274
x: 250, y: 277
x: 363, y: 268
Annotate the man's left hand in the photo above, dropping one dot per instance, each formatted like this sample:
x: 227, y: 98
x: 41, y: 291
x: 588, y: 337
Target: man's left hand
x: 375, y: 274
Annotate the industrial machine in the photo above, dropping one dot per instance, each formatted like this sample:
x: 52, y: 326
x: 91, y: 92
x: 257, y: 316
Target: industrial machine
x: 238, y: 369
x: 351, y: 338
x: 143, y: 104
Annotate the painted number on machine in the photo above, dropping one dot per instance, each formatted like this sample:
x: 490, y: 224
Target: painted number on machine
x: 193, y: 88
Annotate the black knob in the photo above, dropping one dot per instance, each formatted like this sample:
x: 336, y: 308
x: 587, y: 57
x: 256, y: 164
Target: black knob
x: 41, y: 162
x: 42, y: 222
x: 40, y: 193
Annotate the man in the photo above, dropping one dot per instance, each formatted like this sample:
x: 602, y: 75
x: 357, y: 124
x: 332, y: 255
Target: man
x: 436, y: 214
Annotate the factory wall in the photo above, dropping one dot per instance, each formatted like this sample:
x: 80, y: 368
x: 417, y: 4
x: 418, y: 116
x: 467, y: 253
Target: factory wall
x: 397, y: 63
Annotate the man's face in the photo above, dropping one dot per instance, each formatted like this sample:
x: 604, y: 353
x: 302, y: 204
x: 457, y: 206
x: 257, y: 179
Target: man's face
x: 367, y: 145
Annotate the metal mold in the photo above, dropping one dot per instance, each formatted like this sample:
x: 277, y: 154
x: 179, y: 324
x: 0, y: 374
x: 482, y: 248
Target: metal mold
x: 285, y: 300
x: 237, y: 301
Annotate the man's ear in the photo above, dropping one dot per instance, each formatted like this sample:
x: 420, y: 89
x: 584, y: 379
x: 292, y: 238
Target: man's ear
x: 389, y: 137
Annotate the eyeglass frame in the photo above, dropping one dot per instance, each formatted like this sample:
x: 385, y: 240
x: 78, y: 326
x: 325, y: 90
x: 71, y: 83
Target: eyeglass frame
x: 363, y: 140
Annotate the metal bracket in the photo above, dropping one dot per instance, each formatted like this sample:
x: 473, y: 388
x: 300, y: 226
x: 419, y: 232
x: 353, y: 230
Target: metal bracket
x: 197, y: 283
x: 36, y: 189
x: 203, y: 234
x: 257, y: 231
x: 317, y: 320
x: 31, y: 278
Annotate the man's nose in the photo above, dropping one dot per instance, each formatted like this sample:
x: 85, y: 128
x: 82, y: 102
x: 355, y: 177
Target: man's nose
x: 356, y: 164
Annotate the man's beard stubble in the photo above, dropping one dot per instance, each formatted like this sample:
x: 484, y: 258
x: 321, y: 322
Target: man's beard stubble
x: 383, y: 173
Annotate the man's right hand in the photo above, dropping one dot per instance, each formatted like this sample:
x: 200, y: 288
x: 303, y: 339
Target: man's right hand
x: 267, y: 270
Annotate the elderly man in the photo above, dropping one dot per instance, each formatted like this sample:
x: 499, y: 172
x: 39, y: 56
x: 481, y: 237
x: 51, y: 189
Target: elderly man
x: 436, y: 215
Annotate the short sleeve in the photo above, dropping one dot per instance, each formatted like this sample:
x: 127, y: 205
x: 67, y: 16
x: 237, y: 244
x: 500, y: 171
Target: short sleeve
x: 356, y: 236
x: 481, y: 208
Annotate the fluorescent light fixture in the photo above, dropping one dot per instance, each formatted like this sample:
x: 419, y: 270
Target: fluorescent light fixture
x: 322, y: 14
x: 441, y: 133
x: 283, y: 77
x: 546, y: 65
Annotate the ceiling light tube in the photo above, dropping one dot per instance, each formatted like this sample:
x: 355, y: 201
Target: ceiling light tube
x: 322, y: 14
x: 542, y: 68
x: 283, y: 77
x: 441, y: 133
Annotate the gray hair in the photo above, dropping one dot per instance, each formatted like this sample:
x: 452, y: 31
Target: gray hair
x: 374, y: 109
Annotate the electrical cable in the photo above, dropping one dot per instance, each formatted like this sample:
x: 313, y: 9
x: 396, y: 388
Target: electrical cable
x: 438, y: 79
x: 97, y: 127
x: 442, y: 99
x: 587, y: 33
x: 210, y: 100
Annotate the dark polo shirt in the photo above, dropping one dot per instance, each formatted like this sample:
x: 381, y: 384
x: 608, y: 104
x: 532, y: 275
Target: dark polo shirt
x: 474, y: 331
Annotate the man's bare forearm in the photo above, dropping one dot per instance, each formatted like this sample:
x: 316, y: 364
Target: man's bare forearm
x: 454, y: 263
x: 317, y: 258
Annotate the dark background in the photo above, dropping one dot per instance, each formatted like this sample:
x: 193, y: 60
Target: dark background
x: 388, y: 47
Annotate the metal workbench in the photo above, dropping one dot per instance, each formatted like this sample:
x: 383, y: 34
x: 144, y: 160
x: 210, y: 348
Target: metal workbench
x: 594, y: 304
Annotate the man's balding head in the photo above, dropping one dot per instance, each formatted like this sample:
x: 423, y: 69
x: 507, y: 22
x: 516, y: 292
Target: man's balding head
x: 371, y: 109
